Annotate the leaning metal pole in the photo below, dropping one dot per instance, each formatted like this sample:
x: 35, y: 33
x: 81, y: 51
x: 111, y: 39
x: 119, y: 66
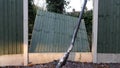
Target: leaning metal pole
x: 63, y: 60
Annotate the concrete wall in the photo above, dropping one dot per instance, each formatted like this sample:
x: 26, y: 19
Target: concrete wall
x: 11, y: 60
x: 108, y: 58
x: 37, y: 58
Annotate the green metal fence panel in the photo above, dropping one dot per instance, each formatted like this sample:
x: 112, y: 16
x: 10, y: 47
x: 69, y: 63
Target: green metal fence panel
x: 11, y: 27
x: 53, y: 33
x: 108, y: 26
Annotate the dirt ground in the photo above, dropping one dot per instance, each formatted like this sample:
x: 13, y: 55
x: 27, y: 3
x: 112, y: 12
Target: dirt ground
x: 70, y: 64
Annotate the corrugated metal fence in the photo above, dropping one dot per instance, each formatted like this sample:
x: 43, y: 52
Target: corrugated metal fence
x: 109, y: 26
x: 53, y: 32
x: 11, y: 27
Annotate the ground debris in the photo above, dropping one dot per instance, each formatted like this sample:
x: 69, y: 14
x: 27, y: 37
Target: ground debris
x: 70, y: 64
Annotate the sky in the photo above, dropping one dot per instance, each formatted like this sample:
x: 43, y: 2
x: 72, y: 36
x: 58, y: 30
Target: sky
x: 74, y: 4
x: 77, y: 5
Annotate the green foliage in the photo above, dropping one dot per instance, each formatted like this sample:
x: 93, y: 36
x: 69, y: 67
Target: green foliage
x: 56, y: 6
x: 31, y: 17
x: 88, y: 16
x: 32, y: 14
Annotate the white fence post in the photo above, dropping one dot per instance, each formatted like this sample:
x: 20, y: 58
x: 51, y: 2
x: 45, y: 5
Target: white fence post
x: 25, y: 23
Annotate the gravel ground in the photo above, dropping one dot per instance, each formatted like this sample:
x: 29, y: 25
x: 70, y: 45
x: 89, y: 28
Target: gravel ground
x: 70, y: 64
